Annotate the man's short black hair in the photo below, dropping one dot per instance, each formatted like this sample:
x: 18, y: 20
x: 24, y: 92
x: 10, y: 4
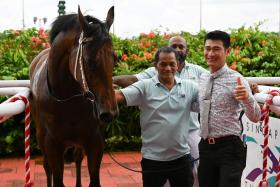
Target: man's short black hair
x: 166, y: 50
x: 218, y: 35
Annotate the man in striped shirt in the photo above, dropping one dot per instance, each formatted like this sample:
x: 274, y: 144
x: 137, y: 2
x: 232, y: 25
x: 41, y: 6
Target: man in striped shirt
x: 223, y: 94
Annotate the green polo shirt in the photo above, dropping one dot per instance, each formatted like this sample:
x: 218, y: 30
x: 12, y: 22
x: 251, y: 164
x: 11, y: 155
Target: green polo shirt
x: 164, y: 116
x: 190, y: 72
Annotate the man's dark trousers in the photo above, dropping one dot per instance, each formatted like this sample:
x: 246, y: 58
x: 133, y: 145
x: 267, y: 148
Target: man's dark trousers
x: 221, y: 162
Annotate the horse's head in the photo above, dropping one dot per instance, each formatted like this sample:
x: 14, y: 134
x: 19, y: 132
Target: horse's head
x: 92, y: 62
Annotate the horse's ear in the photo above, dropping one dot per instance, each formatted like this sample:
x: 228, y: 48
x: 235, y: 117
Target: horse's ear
x: 110, y: 18
x: 82, y: 19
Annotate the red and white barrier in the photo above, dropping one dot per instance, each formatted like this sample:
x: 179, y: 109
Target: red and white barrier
x: 265, y: 93
x: 15, y: 105
x: 265, y: 118
x: 8, y: 108
x: 270, y: 96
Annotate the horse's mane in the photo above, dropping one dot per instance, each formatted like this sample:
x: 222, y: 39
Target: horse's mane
x: 70, y: 22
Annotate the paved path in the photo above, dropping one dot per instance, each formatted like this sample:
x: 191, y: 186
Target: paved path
x: 112, y: 175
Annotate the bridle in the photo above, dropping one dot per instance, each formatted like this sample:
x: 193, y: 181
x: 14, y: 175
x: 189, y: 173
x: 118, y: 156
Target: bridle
x: 88, y: 94
x: 79, y: 59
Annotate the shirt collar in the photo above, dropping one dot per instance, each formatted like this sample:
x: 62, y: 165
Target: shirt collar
x: 156, y: 81
x: 185, y: 66
x: 219, y: 72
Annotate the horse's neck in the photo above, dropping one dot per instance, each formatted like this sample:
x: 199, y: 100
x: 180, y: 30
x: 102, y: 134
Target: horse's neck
x: 61, y: 81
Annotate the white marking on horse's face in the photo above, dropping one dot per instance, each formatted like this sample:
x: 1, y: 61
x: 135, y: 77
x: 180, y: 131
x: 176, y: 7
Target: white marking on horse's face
x: 34, y: 87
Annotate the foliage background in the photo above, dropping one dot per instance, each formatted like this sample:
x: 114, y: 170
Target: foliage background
x: 254, y: 53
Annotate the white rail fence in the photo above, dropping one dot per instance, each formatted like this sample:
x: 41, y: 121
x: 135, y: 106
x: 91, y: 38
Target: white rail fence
x: 21, y: 87
x: 9, y: 109
x: 264, y: 80
x: 13, y: 88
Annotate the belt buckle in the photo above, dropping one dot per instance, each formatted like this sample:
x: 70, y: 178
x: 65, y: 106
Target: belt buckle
x: 211, y: 140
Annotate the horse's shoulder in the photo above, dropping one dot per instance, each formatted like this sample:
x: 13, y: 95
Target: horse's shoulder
x: 38, y: 61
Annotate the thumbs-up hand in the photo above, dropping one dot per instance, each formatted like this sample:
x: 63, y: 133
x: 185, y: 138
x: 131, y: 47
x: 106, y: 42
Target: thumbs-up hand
x: 240, y: 92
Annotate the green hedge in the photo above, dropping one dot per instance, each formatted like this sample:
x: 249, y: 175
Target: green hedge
x: 254, y: 53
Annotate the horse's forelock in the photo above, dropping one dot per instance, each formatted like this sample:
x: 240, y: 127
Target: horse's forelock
x: 62, y: 24
x: 97, y: 29
x: 71, y: 22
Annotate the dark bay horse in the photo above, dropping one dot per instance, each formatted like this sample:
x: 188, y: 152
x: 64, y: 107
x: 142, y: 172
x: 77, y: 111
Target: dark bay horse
x: 72, y: 93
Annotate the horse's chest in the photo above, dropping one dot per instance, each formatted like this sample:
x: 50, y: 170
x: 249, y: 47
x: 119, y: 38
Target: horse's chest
x: 71, y: 128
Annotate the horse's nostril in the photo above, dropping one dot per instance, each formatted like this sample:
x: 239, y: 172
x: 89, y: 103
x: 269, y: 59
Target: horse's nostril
x: 106, y: 117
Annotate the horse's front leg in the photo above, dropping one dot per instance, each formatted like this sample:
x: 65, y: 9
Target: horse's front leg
x: 78, y: 155
x: 94, y: 151
x: 54, y: 155
x: 41, y: 135
x: 47, y: 171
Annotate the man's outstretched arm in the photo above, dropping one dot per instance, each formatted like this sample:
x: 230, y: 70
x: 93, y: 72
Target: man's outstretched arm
x: 124, y: 80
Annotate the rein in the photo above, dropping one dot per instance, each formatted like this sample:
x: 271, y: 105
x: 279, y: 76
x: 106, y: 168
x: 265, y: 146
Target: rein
x: 149, y: 171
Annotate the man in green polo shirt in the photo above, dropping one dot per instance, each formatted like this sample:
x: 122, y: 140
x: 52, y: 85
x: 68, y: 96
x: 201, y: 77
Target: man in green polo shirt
x: 187, y: 71
x: 165, y: 103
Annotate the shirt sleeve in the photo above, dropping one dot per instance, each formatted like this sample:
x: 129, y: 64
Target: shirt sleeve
x: 146, y: 74
x: 202, y: 70
x: 134, y: 93
x: 252, y: 108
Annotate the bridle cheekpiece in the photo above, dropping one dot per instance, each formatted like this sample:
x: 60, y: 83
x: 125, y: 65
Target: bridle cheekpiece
x: 79, y: 59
